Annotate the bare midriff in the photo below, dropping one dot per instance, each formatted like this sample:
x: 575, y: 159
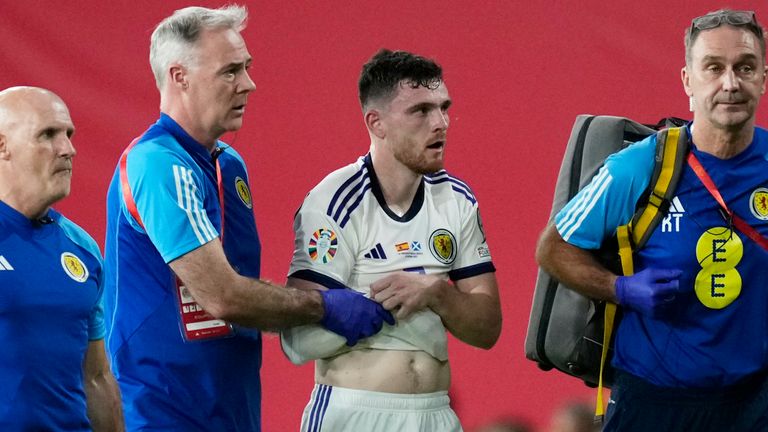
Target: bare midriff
x: 390, y: 371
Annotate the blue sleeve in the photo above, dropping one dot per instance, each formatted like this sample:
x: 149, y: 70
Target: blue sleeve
x: 609, y: 200
x: 167, y: 190
x: 96, y: 328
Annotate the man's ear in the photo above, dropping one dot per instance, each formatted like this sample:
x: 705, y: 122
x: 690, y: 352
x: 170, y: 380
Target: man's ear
x: 178, y: 76
x: 5, y: 153
x: 374, y: 123
x: 686, y: 79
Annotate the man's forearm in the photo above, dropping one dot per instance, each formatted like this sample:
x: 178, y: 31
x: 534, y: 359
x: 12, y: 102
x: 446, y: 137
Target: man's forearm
x: 474, y: 318
x: 242, y: 300
x: 574, y: 267
x: 103, y: 403
x: 260, y: 304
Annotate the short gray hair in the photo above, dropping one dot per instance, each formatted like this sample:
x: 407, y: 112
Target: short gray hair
x: 722, y: 17
x: 173, y: 39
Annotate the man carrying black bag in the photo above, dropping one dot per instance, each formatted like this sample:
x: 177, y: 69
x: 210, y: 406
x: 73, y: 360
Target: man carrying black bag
x: 690, y: 351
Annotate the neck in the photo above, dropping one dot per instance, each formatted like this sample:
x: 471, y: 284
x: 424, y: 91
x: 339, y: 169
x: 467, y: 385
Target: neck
x: 722, y: 143
x: 181, y: 115
x: 29, y: 206
x: 398, y: 183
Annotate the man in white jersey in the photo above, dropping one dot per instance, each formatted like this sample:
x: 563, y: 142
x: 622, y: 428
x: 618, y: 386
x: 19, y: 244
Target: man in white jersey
x: 396, y: 227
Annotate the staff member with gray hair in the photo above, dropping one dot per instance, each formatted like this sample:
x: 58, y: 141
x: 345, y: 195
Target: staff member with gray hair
x: 690, y: 351
x: 183, y: 300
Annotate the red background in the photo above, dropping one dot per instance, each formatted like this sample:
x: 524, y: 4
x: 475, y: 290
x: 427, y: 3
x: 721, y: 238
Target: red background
x: 518, y: 72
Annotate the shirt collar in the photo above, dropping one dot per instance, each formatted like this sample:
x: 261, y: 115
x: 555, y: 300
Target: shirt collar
x: 15, y: 218
x: 190, y: 144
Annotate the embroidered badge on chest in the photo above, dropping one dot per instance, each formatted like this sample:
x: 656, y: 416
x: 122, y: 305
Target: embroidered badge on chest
x: 758, y: 203
x: 442, y: 244
x: 411, y: 249
x: 74, y: 267
x: 323, y: 245
x: 243, y: 192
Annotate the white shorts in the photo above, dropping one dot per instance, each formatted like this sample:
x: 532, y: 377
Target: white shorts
x: 338, y: 409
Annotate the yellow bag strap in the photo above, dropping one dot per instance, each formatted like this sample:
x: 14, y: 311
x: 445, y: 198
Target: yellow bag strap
x: 627, y: 268
x: 671, y: 149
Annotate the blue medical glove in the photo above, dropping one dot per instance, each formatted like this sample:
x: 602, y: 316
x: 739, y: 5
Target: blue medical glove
x: 352, y: 315
x: 650, y: 291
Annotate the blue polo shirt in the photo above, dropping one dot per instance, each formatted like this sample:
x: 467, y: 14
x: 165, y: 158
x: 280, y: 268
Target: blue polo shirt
x: 50, y: 308
x: 167, y: 382
x: 717, y: 332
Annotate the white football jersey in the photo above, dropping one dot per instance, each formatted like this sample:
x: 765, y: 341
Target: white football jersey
x: 346, y: 236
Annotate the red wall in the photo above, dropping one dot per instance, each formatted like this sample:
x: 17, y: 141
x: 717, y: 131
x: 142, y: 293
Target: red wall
x: 519, y: 72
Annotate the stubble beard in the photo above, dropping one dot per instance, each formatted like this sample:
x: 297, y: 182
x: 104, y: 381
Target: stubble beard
x: 418, y: 163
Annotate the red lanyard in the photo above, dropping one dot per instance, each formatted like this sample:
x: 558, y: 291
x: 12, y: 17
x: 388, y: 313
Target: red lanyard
x: 126, y: 187
x: 220, y: 184
x: 738, y: 222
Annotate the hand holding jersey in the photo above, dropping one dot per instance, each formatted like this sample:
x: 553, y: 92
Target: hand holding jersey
x: 421, y: 330
x: 405, y: 293
x: 351, y: 315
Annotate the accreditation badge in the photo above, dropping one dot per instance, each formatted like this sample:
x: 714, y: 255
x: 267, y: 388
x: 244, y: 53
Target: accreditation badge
x: 195, y: 323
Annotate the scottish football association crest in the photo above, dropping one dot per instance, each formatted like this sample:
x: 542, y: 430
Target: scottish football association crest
x: 442, y: 244
x: 243, y: 192
x: 759, y: 203
x: 74, y: 267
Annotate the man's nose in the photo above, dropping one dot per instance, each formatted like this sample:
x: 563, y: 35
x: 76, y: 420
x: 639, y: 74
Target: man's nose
x: 441, y: 120
x: 246, y: 84
x: 67, y: 149
x: 730, y: 80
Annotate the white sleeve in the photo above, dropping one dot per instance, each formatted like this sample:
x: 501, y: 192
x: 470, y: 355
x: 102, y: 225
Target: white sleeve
x: 322, y: 253
x: 473, y: 256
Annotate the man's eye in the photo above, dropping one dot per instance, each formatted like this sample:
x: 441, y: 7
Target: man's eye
x: 746, y: 69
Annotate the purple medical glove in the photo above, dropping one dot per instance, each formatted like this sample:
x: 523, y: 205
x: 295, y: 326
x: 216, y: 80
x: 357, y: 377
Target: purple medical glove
x: 650, y: 291
x: 352, y: 315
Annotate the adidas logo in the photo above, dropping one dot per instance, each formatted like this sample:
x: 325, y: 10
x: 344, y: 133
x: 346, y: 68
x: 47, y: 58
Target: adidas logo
x: 376, y: 253
x: 676, y: 206
x: 4, y: 264
x: 671, y: 222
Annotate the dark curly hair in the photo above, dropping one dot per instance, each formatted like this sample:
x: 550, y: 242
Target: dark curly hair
x: 386, y: 69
